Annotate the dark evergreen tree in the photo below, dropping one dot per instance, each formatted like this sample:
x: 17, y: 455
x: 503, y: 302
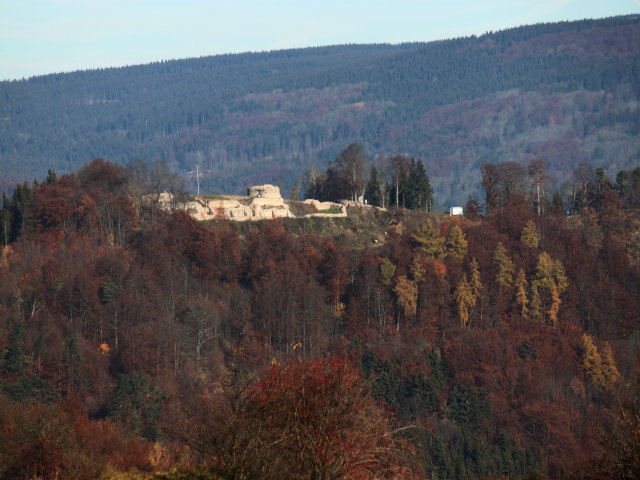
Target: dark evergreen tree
x: 417, y: 188
x: 20, y: 210
x: 5, y: 221
x: 600, y: 183
x: 622, y: 185
x: 27, y: 388
x: 557, y: 204
x: 634, y: 188
x: 135, y: 405
x: 14, y: 359
x: 51, y: 178
x: 466, y: 407
x: 374, y: 194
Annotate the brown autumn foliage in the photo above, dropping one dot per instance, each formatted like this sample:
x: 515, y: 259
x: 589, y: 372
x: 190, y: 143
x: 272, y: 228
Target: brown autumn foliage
x: 302, y: 419
x: 120, y: 325
x: 59, y: 441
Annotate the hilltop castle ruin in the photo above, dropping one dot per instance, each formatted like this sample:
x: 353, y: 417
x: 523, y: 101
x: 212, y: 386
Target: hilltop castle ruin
x: 263, y: 202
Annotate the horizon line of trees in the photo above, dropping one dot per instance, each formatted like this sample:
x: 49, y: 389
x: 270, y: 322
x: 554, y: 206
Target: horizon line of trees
x: 400, y: 181
x: 397, y: 181
x: 589, y: 188
x: 137, y: 180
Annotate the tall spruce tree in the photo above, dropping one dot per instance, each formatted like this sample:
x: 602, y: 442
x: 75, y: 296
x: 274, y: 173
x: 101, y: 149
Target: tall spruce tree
x: 374, y: 194
x: 521, y: 299
x: 456, y: 243
x: 429, y: 241
x: 14, y: 358
x: 5, y: 220
x: 20, y: 209
x: 418, y: 191
x: 504, y: 277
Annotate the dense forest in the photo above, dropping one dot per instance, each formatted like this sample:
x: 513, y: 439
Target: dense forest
x: 565, y: 92
x: 137, y: 342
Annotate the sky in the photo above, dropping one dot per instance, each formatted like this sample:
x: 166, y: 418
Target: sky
x: 49, y: 36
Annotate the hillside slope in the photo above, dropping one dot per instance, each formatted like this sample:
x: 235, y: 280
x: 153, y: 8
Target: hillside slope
x: 132, y: 338
x: 567, y: 92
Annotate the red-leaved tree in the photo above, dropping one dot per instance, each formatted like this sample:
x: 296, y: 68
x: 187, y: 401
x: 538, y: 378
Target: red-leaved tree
x: 311, y: 420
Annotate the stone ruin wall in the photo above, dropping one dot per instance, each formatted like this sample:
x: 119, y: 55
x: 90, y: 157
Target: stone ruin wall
x: 264, y: 191
x: 264, y: 203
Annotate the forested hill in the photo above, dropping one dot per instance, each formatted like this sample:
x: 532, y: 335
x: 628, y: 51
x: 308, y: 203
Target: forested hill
x: 566, y: 92
x: 393, y: 344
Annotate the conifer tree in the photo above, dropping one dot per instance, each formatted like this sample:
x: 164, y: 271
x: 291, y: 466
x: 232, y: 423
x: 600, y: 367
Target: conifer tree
x: 407, y: 297
x: 476, y: 283
x: 622, y: 184
x: 521, y: 294
x: 530, y: 235
x: 374, y: 194
x: 554, y: 307
x: 550, y: 281
x: 427, y: 238
x: 417, y: 270
x: 535, y: 310
x: 560, y: 276
x: 476, y: 280
x: 387, y: 270
x: 610, y: 370
x: 5, y: 220
x: 51, y: 178
x: 544, y: 271
x: 418, y: 191
x: 21, y: 210
x: 592, y: 361
x: 557, y: 204
x: 457, y: 243
x: 14, y: 358
x: 550, y: 272
x: 505, y: 267
x: 464, y: 299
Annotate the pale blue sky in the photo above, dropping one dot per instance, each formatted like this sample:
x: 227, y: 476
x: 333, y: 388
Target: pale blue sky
x: 48, y: 36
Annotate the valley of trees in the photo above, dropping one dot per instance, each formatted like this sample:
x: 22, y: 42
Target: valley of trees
x: 388, y: 344
x: 567, y: 92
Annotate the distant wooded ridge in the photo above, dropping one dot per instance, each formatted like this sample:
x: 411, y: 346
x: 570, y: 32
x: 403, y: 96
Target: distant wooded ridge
x: 563, y: 92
